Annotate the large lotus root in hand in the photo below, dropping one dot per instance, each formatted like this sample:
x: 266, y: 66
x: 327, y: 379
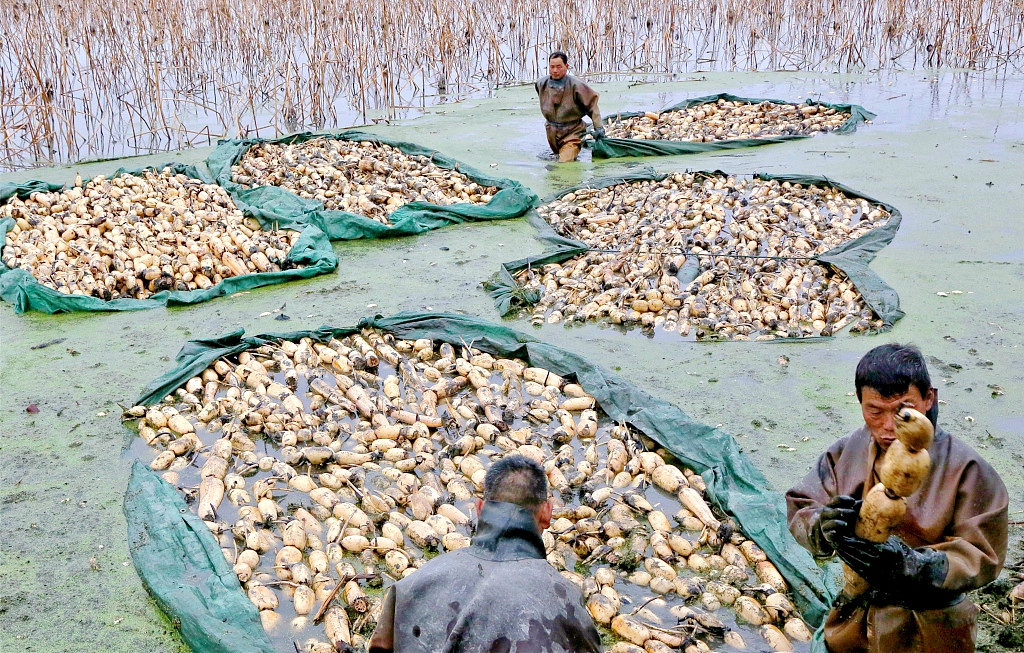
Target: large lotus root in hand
x: 904, y: 469
x: 728, y: 120
x: 330, y: 470
x: 366, y: 178
x: 135, y: 235
x: 748, y: 241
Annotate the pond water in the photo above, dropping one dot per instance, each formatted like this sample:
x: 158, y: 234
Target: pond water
x: 946, y: 149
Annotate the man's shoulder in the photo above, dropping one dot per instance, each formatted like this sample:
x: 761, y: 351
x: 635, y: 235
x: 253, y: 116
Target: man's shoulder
x: 962, y: 455
x: 954, y: 445
x: 443, y: 566
x: 461, y: 568
x: 577, y: 82
x: 468, y: 559
x: 856, y: 440
x: 534, y: 575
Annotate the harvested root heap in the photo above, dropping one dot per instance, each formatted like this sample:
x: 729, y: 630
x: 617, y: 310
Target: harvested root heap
x: 366, y: 178
x: 136, y: 235
x: 328, y: 471
x: 904, y: 468
x: 640, y: 234
x: 728, y: 120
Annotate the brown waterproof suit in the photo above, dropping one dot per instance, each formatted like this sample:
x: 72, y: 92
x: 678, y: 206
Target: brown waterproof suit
x: 564, y: 102
x: 960, y: 510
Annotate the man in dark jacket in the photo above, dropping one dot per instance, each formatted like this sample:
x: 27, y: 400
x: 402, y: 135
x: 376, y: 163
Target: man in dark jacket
x: 951, y: 541
x: 564, y: 101
x: 500, y: 594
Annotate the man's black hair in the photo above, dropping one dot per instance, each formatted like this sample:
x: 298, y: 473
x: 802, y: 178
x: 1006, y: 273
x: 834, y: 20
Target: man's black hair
x: 516, y: 479
x: 559, y: 55
x: 891, y: 369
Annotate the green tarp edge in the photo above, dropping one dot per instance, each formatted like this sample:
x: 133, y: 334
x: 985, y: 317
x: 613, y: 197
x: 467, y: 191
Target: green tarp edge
x: 182, y: 566
x: 853, y: 257
x: 608, y: 148
x: 733, y: 483
x: 280, y: 206
x: 18, y: 287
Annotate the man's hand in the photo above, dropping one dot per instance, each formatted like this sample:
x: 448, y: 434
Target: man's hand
x: 599, y: 133
x: 893, y: 567
x: 838, y: 518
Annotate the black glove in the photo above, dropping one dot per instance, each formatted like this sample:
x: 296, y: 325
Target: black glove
x: 838, y: 517
x: 898, y: 573
x: 599, y: 133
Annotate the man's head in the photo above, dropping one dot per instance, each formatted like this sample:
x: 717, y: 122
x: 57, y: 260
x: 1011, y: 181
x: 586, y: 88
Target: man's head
x: 519, y: 480
x: 888, y: 378
x: 558, y: 65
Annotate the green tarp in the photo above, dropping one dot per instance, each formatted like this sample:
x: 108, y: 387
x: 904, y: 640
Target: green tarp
x: 608, y: 148
x: 275, y: 208
x: 853, y: 257
x: 182, y: 566
x: 312, y: 252
x: 733, y: 483
x: 285, y: 207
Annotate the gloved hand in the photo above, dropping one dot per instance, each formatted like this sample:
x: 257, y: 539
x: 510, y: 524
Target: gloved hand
x: 599, y: 133
x: 837, y: 518
x: 894, y: 568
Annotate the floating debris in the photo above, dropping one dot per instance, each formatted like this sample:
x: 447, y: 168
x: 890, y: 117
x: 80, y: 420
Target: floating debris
x: 748, y: 243
x: 728, y: 120
x: 329, y: 470
x: 138, y: 234
x: 367, y: 178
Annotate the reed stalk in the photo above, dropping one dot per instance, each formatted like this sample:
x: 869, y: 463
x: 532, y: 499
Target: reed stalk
x: 81, y: 80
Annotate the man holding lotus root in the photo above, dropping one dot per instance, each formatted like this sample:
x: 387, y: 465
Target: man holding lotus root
x: 917, y: 517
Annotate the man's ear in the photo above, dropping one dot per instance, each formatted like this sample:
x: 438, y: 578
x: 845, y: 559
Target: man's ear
x: 544, y: 515
x: 479, y: 507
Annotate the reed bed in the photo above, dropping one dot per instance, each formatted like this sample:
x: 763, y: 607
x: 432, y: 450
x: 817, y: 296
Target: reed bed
x: 95, y: 79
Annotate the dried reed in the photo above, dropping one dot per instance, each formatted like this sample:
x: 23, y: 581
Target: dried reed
x: 91, y: 79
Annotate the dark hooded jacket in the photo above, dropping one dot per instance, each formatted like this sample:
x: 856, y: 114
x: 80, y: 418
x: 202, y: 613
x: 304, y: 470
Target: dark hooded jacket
x: 500, y: 594
x: 960, y: 511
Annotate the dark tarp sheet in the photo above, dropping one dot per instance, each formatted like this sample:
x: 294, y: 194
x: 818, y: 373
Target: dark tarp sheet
x: 312, y: 252
x: 284, y: 207
x: 608, y: 148
x: 733, y: 483
x: 853, y: 257
x: 182, y: 566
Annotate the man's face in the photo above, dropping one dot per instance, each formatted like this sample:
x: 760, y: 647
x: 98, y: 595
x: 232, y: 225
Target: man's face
x: 880, y: 412
x: 557, y: 68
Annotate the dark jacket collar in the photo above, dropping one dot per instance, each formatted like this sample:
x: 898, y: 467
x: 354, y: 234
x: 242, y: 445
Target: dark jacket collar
x: 507, y: 532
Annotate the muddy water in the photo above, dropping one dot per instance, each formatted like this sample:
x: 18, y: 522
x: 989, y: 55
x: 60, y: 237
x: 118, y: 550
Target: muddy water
x: 938, y: 142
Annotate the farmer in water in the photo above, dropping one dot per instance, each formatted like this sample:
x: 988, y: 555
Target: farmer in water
x: 564, y: 101
x: 952, y: 539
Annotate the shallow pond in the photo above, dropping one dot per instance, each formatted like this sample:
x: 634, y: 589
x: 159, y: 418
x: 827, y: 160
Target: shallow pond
x: 946, y: 150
